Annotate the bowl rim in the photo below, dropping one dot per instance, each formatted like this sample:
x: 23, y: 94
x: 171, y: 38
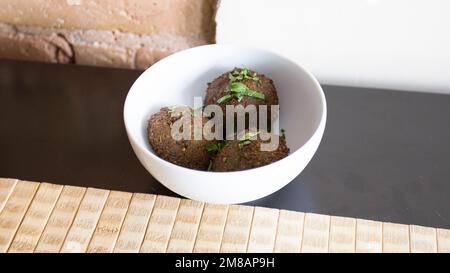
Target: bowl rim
x: 146, y: 151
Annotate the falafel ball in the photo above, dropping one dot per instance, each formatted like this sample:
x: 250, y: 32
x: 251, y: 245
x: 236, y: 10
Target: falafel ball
x: 187, y: 153
x: 219, y: 93
x: 245, y: 154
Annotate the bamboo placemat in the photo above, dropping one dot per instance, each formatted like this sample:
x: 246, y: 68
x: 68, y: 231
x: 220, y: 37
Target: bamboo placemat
x: 44, y: 217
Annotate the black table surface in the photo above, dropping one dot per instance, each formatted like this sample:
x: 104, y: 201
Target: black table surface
x: 385, y: 155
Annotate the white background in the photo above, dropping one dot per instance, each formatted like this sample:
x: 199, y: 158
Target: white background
x: 395, y: 44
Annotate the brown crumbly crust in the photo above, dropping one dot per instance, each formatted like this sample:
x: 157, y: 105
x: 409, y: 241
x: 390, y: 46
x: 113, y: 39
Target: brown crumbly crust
x: 233, y: 157
x: 187, y: 153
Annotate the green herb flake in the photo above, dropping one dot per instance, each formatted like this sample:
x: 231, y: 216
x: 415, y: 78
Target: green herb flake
x: 239, y: 74
x: 238, y: 89
x: 249, y: 135
x: 215, y: 147
x: 283, y: 133
x: 243, y: 143
x: 224, y: 99
x: 212, y: 147
x: 246, y: 138
x: 255, y: 94
x: 210, y: 165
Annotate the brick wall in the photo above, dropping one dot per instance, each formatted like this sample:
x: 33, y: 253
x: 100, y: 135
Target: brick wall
x: 114, y: 33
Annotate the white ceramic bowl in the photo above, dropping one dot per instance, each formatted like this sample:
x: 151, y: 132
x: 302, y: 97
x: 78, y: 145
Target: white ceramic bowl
x: 181, y: 76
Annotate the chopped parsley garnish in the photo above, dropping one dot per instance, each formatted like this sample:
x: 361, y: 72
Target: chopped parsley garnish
x: 224, y: 99
x: 243, y: 143
x: 215, y: 147
x: 283, y: 133
x: 246, y: 138
x: 238, y: 74
x: 210, y: 165
x: 212, y: 147
x: 249, y: 135
x: 237, y: 89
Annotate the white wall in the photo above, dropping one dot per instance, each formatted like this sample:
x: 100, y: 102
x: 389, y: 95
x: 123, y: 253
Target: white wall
x: 396, y: 44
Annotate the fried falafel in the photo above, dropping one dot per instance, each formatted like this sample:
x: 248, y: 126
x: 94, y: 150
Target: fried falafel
x: 242, y: 87
x: 244, y: 153
x: 189, y: 153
